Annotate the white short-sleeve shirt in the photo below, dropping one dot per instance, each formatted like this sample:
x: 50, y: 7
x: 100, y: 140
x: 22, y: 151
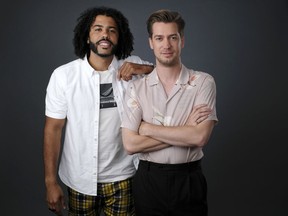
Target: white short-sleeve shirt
x: 73, y: 93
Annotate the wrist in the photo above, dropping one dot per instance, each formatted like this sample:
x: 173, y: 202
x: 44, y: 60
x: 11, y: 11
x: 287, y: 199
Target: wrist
x: 50, y: 181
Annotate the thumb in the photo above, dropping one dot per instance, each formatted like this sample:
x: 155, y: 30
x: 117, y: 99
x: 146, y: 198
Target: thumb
x: 63, y: 203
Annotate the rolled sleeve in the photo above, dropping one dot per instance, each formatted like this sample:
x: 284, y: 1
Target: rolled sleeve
x: 55, y: 101
x: 132, y: 109
x: 207, y: 95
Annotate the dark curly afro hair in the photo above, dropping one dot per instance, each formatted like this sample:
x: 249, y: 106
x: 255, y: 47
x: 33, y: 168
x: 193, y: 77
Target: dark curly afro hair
x: 82, y: 29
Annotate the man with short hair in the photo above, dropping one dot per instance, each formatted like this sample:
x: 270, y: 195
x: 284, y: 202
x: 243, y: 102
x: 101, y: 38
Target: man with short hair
x: 158, y: 123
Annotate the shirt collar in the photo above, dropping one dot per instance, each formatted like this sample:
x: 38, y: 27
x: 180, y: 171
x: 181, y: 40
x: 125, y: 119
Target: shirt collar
x: 114, y: 64
x: 182, y: 80
x: 87, y: 67
x: 90, y: 70
x: 184, y: 76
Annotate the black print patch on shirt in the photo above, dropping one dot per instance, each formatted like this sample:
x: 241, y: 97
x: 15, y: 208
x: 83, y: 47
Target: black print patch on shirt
x: 107, y: 96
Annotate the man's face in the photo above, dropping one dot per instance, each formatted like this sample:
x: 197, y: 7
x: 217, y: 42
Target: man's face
x: 166, y: 43
x: 103, y: 36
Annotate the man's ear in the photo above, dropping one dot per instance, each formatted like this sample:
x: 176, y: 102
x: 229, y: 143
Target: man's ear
x: 150, y: 43
x: 182, y: 42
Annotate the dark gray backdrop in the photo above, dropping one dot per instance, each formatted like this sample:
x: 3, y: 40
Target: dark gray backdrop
x: 243, y: 44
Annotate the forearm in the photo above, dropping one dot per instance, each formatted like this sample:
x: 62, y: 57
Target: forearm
x: 51, y: 151
x: 143, y: 69
x: 154, y: 146
x: 135, y: 143
x: 180, y: 135
x: 51, y: 155
x: 128, y: 69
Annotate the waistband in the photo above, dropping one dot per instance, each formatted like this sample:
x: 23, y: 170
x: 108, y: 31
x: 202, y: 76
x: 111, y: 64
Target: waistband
x: 190, y: 166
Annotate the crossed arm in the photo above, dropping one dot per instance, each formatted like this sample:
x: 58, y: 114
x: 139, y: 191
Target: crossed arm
x: 152, y: 137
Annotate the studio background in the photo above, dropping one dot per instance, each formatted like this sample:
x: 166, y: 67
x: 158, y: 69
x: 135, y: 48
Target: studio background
x: 243, y: 44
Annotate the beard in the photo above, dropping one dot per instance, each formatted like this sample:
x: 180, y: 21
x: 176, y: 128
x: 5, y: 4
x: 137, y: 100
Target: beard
x: 94, y: 48
x: 168, y: 62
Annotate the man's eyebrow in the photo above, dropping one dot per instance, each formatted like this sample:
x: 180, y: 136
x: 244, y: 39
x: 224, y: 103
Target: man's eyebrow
x: 157, y: 35
x: 114, y: 27
x: 99, y: 25
x: 160, y: 35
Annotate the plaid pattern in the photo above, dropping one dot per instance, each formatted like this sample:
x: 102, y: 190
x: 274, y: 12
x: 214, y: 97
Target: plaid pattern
x: 113, y: 198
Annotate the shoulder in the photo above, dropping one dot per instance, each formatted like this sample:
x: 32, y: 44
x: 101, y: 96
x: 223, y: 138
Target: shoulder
x: 136, y: 59
x: 72, y: 69
x: 66, y: 72
x: 139, y: 82
x: 69, y: 66
x: 200, y: 76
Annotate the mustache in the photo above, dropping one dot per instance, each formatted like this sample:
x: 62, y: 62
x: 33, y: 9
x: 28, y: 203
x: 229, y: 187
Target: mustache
x: 106, y: 40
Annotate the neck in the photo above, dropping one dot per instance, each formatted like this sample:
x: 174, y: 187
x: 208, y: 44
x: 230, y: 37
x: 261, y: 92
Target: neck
x: 99, y: 63
x: 168, y: 76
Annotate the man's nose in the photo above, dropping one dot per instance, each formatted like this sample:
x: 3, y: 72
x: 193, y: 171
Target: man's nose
x: 105, y: 34
x: 166, y: 43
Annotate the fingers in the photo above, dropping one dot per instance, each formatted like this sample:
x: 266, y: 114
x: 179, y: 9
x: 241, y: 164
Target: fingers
x: 55, y: 199
x: 200, y: 108
x: 126, y: 71
x: 199, y: 113
x: 57, y: 208
x: 122, y: 72
x: 52, y: 209
x: 57, y: 212
x: 63, y: 202
x: 126, y: 78
x: 202, y: 118
x: 203, y: 115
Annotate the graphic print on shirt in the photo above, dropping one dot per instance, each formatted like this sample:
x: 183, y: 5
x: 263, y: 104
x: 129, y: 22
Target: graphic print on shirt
x: 107, y: 96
